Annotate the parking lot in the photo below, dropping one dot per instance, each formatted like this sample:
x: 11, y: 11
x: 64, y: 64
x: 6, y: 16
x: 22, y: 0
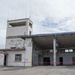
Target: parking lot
x: 39, y: 70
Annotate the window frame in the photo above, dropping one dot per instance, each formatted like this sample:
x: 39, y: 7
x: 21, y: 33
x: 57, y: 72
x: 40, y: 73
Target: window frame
x: 30, y: 32
x: 30, y: 24
x: 18, y: 57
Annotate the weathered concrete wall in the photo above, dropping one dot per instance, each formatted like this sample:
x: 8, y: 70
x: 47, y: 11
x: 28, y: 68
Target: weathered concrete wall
x: 1, y: 59
x: 14, y: 42
x: 39, y: 54
x: 14, y: 31
x: 11, y: 58
x: 18, y: 42
x: 26, y: 55
x: 67, y: 57
x: 17, y: 31
x: 35, y: 54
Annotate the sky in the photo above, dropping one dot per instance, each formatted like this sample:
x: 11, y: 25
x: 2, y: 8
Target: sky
x: 48, y: 16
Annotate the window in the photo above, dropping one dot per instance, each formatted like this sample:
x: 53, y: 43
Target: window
x: 69, y: 50
x: 30, y: 25
x: 66, y: 50
x: 30, y: 33
x: 51, y: 51
x: 17, y: 24
x: 13, y: 47
x: 18, y: 57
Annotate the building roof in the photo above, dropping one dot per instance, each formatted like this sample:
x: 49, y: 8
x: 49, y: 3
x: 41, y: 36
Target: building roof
x: 19, y: 20
x: 42, y: 35
x: 64, y: 40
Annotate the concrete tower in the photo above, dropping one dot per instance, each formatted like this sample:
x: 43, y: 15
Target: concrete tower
x: 16, y: 28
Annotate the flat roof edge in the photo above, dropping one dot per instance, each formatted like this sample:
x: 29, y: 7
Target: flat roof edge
x: 41, y: 35
x: 19, y: 19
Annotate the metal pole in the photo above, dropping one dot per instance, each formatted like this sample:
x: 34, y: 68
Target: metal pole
x: 24, y: 52
x: 54, y: 52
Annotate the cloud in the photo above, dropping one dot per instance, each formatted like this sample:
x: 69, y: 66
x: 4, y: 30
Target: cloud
x: 49, y: 22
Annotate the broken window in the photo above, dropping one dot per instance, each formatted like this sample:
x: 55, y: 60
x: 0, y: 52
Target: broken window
x: 18, y: 24
x: 18, y: 57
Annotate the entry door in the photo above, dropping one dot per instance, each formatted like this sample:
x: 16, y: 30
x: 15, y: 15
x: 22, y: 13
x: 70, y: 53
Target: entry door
x: 46, y: 60
x: 61, y: 60
x: 5, y: 60
x: 73, y: 60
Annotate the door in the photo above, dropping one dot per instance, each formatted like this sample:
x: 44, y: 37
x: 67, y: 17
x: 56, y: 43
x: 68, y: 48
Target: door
x: 46, y: 61
x: 61, y: 60
x: 5, y: 60
x: 73, y: 60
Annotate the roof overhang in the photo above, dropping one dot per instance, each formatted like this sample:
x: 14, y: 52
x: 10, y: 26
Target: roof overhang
x: 17, y: 49
x: 64, y: 40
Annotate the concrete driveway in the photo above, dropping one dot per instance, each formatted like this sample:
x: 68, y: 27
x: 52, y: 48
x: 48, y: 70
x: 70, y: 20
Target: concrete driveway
x: 39, y: 70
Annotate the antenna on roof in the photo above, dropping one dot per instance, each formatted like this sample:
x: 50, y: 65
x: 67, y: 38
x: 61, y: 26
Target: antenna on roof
x: 30, y: 10
x: 8, y: 10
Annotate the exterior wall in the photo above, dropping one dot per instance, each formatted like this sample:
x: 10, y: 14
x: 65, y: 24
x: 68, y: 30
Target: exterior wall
x: 27, y: 58
x: 20, y: 30
x: 19, y: 43
x: 29, y: 28
x: 50, y: 55
x: 14, y: 42
x: 28, y: 53
x: 41, y: 59
x: 67, y: 57
x: 11, y: 58
x: 39, y: 54
x: 1, y: 59
x: 17, y: 31
x: 35, y: 54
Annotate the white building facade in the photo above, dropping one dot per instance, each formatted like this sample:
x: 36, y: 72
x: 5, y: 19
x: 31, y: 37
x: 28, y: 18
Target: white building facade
x: 18, y: 51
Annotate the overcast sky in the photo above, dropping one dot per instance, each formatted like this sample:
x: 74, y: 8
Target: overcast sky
x: 48, y: 16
